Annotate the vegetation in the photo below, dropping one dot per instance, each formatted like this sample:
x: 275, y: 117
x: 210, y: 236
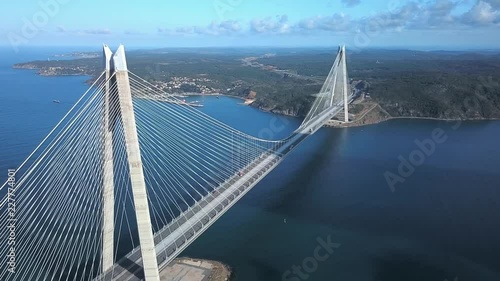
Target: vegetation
x: 405, y: 83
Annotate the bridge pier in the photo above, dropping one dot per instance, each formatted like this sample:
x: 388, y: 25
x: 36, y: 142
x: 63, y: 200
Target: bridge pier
x: 108, y: 196
x: 345, y: 83
x: 139, y: 193
x: 120, y: 100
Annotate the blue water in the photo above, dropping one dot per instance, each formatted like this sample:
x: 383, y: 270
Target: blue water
x: 440, y: 223
x: 27, y: 112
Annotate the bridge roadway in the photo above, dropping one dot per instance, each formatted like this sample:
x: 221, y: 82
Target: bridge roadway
x: 172, y: 239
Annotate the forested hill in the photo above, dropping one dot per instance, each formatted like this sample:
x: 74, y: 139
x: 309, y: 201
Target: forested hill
x: 439, y: 84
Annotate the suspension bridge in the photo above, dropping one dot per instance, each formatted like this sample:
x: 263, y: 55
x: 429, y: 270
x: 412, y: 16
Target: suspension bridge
x: 131, y: 176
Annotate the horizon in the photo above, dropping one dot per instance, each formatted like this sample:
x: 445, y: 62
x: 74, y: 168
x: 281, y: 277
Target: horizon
x: 132, y: 48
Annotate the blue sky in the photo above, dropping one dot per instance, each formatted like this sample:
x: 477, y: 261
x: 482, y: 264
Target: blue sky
x: 289, y: 23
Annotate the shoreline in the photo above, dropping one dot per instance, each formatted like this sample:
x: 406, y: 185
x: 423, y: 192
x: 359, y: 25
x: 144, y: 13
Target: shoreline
x: 193, y: 269
x: 209, y: 95
x: 373, y: 113
x: 249, y: 102
x: 353, y: 125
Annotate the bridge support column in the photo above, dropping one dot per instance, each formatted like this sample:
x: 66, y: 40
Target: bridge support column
x: 108, y: 197
x: 139, y: 192
x: 345, y: 83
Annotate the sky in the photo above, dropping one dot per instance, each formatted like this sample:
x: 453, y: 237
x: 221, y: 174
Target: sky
x: 449, y: 24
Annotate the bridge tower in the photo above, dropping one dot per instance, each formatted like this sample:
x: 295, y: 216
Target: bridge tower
x: 108, y: 196
x: 345, y: 83
x: 120, y: 100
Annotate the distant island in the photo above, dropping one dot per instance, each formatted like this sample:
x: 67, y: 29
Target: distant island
x: 388, y: 83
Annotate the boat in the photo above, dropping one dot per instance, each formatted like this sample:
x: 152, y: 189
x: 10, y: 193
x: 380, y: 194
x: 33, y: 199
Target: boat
x: 56, y: 101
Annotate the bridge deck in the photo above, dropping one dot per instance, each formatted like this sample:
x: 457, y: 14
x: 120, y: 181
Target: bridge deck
x: 184, y: 229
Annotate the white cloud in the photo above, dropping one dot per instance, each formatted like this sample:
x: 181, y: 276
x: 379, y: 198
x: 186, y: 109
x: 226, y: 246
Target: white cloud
x: 392, y: 20
x: 438, y: 14
x: 227, y: 27
x: 134, y: 32
x: 99, y: 31
x: 269, y: 25
x: 96, y: 31
x: 412, y: 15
x: 61, y: 28
x: 335, y: 22
x: 482, y: 13
x: 351, y: 3
x: 494, y: 3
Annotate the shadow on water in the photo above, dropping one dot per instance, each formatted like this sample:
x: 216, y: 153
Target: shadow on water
x: 266, y: 271
x: 397, y: 267
x: 317, y: 153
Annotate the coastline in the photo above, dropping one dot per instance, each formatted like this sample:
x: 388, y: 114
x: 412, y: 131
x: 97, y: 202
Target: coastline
x: 372, y: 113
x: 246, y: 101
x: 249, y: 102
x: 356, y: 123
x: 353, y: 125
x: 381, y: 116
x: 191, y: 269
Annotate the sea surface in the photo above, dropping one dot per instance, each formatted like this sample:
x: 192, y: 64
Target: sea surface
x: 439, y: 222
